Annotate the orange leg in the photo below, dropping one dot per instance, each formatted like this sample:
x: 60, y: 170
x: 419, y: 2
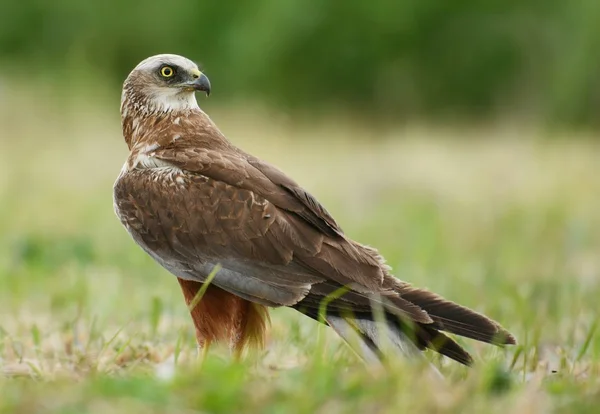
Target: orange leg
x: 223, y: 317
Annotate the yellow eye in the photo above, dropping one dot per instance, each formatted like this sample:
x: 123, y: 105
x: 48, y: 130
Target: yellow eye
x: 167, y: 71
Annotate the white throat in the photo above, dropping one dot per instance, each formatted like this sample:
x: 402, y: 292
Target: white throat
x: 173, y: 102
x: 160, y: 100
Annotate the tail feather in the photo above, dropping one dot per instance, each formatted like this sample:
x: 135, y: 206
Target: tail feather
x: 352, y: 315
x: 447, y: 346
x: 451, y: 317
x: 362, y: 331
x: 365, y: 335
x: 367, y: 348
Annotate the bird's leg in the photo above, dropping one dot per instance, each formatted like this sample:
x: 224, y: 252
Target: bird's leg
x: 221, y: 317
x: 249, y: 327
x: 190, y: 291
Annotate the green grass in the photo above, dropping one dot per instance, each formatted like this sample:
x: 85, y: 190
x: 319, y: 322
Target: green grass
x: 508, y: 225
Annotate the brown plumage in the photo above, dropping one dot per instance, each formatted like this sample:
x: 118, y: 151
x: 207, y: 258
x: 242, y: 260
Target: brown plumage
x: 192, y: 200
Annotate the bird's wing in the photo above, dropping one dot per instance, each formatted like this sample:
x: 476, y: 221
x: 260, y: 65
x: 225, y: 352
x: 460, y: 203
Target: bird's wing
x: 273, y: 247
x: 190, y: 223
x: 341, y: 262
x: 248, y: 172
x: 313, y: 211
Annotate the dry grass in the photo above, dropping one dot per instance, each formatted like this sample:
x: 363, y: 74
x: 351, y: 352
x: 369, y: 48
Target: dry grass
x: 507, y: 225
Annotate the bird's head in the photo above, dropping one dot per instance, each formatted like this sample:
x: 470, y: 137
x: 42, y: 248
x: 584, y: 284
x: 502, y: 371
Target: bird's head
x: 164, y: 83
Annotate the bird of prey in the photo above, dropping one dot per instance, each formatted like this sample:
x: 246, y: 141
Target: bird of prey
x: 193, y: 201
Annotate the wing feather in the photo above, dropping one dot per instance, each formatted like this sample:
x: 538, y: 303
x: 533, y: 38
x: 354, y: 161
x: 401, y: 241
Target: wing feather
x: 245, y: 171
x: 299, y: 228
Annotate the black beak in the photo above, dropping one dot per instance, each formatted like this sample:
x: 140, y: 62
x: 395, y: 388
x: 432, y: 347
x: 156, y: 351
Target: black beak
x: 201, y: 84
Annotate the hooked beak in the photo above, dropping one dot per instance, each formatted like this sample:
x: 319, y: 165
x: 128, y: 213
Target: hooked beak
x: 201, y: 83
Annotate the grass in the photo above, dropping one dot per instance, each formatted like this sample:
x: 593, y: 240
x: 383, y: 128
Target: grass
x: 508, y: 225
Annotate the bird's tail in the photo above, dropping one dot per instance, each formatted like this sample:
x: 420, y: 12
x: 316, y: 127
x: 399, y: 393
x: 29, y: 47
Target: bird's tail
x: 375, y: 325
x: 374, y: 339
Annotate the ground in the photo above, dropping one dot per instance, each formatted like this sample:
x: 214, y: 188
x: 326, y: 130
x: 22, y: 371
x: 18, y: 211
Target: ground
x: 502, y: 219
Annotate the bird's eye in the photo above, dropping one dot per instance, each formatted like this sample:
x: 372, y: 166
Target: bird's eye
x: 167, y: 71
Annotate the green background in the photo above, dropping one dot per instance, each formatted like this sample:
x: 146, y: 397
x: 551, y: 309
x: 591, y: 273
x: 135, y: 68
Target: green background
x: 395, y: 59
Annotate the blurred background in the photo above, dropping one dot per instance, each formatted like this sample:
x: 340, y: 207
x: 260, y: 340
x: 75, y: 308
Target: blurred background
x: 458, y: 137
x: 396, y: 60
